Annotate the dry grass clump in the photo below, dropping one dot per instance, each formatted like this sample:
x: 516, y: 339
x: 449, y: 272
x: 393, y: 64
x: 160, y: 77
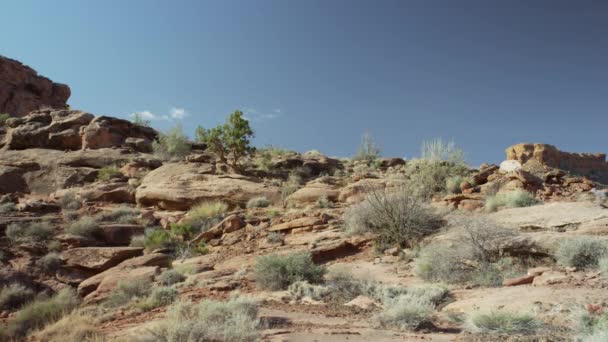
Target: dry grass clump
x: 32, y: 232
x: 69, y: 201
x: 86, y: 226
x: 107, y: 173
x: 50, y: 262
x: 123, y: 214
x: 275, y: 238
x: 128, y: 290
x: 159, y: 296
x: 512, y: 199
x: 206, y: 210
x: 504, y: 322
x: 581, y: 252
x: 171, y: 277
x: 276, y: 272
x: 7, y: 207
x: 14, y: 296
x: 301, y: 289
x: 258, y: 202
x: 232, y: 321
x: 75, y: 327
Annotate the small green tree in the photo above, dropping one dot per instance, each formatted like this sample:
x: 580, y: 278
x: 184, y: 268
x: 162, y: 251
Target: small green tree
x: 230, y: 141
x: 368, y: 150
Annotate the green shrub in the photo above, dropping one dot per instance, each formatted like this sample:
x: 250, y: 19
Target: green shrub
x: 603, y: 266
x: 34, y: 231
x: 77, y: 326
x: 41, y: 312
x: 398, y: 218
x: 3, y: 118
x: 232, y: 321
x: 427, y: 177
x: 276, y: 272
x: 50, y: 262
x: 323, y: 202
x: 184, y: 230
x: 170, y: 277
x: 123, y: 214
x: 86, y: 226
x: 504, y: 322
x: 293, y: 183
x: 452, y: 184
x: 230, y: 141
x: 14, y: 296
x: 301, y: 289
x: 172, y: 145
x: 7, y: 207
x: 206, y: 210
x: 275, y: 238
x: 138, y: 241
x: 107, y: 173
x: 158, y: 238
x: 69, y: 201
x: 368, y: 149
x: 159, y: 296
x: 258, y: 202
x: 581, y: 252
x: 407, y: 312
x: 487, y: 275
x: 127, y: 290
x: 512, y: 199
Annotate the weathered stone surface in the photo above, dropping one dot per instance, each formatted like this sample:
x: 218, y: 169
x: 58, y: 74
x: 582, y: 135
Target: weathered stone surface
x: 119, y: 233
x: 115, y: 192
x: 105, y: 131
x: 298, y: 223
x: 550, y: 278
x: 592, y: 165
x: 527, y: 279
x: 22, y: 90
x: 228, y: 225
x: 111, y: 280
x: 313, y: 191
x: 11, y: 180
x: 362, y: 302
x: 332, y: 251
x: 178, y: 186
x: 99, y: 258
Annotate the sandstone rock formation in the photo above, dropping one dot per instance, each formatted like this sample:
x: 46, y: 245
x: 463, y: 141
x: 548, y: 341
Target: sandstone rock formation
x: 22, y: 90
x: 591, y: 165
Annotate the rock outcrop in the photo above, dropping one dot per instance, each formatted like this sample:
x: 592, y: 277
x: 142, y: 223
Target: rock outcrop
x: 22, y: 90
x: 591, y: 165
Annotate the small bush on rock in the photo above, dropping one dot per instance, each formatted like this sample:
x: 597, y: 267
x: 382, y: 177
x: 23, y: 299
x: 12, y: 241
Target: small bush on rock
x: 301, y: 289
x: 170, y: 277
x: 274, y: 237
x: 399, y: 218
x: 50, y: 262
x: 407, y: 312
x: 69, y: 201
x: 276, y: 272
x: 513, y: 199
x: 232, y: 321
x: 123, y: 214
x: 173, y: 145
x: 34, y: 231
x: 14, y: 296
x: 258, y: 202
x: 206, y: 210
x: 160, y: 296
x: 75, y: 327
x: 86, y: 226
x: 128, y: 290
x: 7, y: 207
x: 107, y: 173
x: 581, y: 252
x: 504, y: 322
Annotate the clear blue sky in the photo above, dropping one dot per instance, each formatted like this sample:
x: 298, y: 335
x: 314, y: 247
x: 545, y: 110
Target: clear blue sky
x: 315, y: 74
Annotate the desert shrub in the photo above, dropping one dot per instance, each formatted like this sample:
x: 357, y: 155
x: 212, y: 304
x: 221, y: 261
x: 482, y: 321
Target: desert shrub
x: 123, y: 214
x: 86, y: 226
x: 487, y: 275
x: 232, y: 321
x: 138, y: 241
x: 427, y: 177
x: 293, y: 183
x: 323, y: 202
x: 258, y: 202
x: 276, y: 272
x: 74, y: 327
x: 69, y: 201
x: 230, y: 141
x: 344, y: 287
x: 170, y: 277
x: 158, y: 238
x: 603, y: 266
x: 368, y: 149
x: 49, y: 262
x: 3, y: 118
x: 274, y: 237
x: 206, y: 210
x: 581, y: 252
x: 7, y: 207
x: 397, y: 218
x: 34, y: 231
x: 107, y: 173
x: 407, y: 312
x: 452, y: 184
x: 301, y: 289
x: 440, y: 150
x: 504, y: 322
x: 159, y: 296
x: 128, y: 290
x: 41, y: 312
x: 172, y: 145
x: 588, y: 323
x: 15, y: 295
x: 184, y: 230
x: 512, y: 199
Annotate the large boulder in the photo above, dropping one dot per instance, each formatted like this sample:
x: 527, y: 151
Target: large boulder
x: 178, y: 186
x: 105, y: 131
x: 313, y: 191
x: 11, y: 180
x: 22, y: 90
x: 98, y: 258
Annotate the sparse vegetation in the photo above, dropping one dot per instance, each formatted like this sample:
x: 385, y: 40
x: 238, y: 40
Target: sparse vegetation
x: 86, y: 226
x: 108, y: 173
x: 407, y: 312
x: 206, y: 210
x: 32, y: 232
x: 127, y: 291
x: 41, y: 312
x: 74, y: 327
x: 49, y: 262
x: 276, y: 272
x: 581, y: 252
x: 123, y: 214
x: 293, y: 183
x: 439, y: 150
x: 504, y: 322
x: 232, y: 321
x: 159, y: 296
x: 301, y: 289
x: 258, y: 202
x: 323, y: 202
x: 398, y: 218
x: 3, y: 118
x: 368, y: 149
x: 69, y: 201
x: 512, y: 199
x: 14, y: 296
x: 275, y: 238
x: 603, y: 266
x: 172, y: 145
x: 231, y: 141
x: 452, y: 184
x: 170, y: 277
x: 7, y: 207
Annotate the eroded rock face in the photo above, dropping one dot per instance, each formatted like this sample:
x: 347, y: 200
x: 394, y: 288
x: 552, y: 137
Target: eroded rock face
x: 22, y: 90
x: 592, y: 165
x: 178, y: 186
